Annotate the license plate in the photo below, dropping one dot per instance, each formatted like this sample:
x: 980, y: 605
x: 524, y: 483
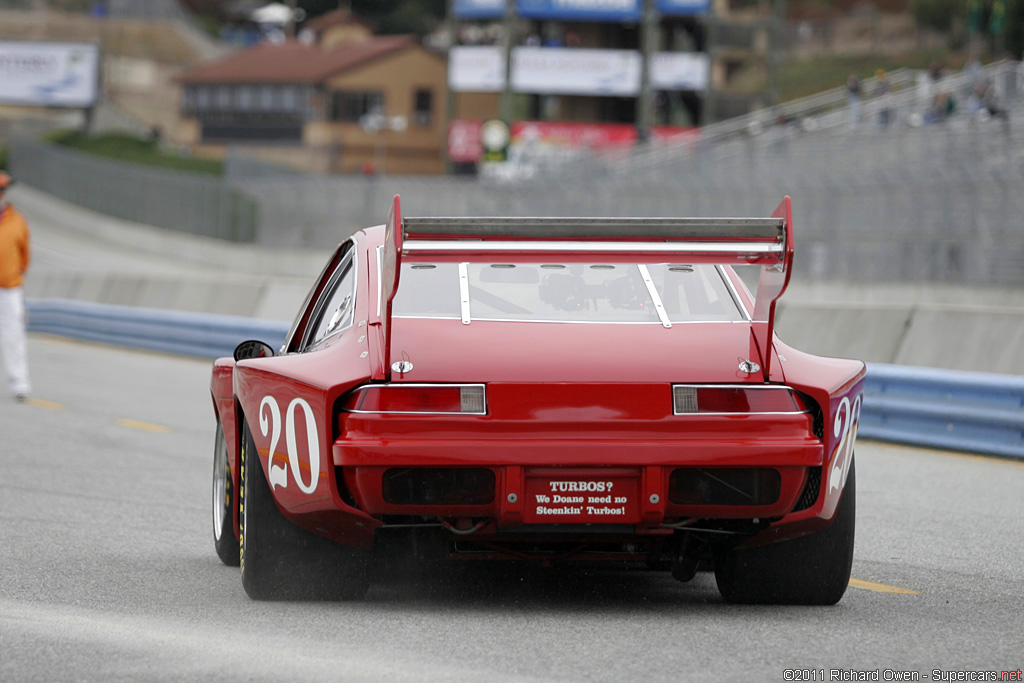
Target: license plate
x: 581, y: 497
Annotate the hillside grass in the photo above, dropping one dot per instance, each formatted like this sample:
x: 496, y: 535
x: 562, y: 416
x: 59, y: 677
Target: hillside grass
x: 135, y: 150
x: 810, y: 76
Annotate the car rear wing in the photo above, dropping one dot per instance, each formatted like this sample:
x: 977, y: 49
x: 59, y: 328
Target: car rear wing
x: 767, y: 242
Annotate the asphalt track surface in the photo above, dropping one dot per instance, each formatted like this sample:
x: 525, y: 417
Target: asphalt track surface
x: 107, y: 570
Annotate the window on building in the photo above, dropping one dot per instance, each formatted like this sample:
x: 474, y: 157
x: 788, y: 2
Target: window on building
x: 423, y: 107
x: 246, y: 98
x: 351, y: 105
x: 266, y: 98
x: 223, y: 97
x: 290, y: 99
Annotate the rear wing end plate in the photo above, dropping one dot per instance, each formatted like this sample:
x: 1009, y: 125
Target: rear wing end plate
x: 766, y: 242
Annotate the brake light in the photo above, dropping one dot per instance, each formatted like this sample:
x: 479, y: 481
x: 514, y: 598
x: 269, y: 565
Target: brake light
x: 424, y: 399
x: 690, y: 399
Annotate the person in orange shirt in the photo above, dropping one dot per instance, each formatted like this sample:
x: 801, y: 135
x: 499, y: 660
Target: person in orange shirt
x: 14, y: 258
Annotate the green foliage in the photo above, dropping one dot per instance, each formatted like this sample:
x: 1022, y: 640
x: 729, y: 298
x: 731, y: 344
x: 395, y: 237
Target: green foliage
x: 135, y: 150
x: 389, y: 16
x: 1015, y: 27
x: 938, y: 14
x: 3, y: 156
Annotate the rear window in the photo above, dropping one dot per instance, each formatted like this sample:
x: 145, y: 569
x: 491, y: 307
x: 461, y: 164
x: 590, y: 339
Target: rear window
x: 572, y: 292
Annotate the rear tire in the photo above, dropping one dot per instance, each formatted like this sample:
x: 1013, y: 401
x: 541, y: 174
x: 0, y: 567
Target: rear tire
x: 281, y: 561
x: 224, y: 502
x: 809, y: 570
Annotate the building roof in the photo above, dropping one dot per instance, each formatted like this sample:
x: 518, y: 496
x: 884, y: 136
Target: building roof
x: 293, y: 62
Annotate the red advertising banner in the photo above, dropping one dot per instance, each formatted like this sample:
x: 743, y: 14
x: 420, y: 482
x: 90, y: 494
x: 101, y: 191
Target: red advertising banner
x: 464, y: 145
x: 567, y: 134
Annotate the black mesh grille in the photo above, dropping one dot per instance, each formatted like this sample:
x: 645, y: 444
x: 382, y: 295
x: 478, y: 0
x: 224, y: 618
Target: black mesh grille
x: 724, y: 486
x: 811, y: 489
x: 438, y: 486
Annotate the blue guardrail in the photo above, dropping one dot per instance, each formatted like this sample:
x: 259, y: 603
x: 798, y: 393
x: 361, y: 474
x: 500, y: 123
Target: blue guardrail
x: 952, y: 410
x: 190, y: 334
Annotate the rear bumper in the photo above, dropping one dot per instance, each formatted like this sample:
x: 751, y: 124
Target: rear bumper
x: 563, y: 482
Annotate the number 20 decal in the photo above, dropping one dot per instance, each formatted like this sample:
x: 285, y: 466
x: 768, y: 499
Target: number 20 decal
x: 277, y: 475
x: 844, y: 451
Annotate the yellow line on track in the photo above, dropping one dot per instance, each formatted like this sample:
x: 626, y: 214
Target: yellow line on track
x: 880, y: 587
x: 40, y: 403
x: 143, y: 426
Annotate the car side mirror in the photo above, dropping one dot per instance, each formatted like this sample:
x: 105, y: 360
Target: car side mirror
x: 253, y: 348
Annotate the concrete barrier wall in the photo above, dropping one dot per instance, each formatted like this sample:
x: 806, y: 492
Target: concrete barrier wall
x: 946, y: 336
x: 254, y: 298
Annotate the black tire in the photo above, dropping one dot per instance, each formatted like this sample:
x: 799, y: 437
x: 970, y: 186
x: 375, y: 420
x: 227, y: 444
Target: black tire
x: 281, y: 561
x: 224, y: 502
x: 809, y: 570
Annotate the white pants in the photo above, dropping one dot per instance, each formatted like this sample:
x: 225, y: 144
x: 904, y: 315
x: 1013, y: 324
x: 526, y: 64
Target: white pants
x: 12, y: 339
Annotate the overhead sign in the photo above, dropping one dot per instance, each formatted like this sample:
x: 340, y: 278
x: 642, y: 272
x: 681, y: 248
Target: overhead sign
x: 474, y: 68
x: 581, y: 10
x: 561, y: 10
x: 679, y: 71
x: 479, y: 9
x: 49, y: 74
x: 684, y: 8
x: 573, y: 71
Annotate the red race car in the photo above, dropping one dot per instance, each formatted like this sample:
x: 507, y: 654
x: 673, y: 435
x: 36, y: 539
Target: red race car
x: 541, y: 389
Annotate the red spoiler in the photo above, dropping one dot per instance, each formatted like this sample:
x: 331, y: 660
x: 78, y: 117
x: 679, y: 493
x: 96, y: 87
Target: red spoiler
x: 767, y: 242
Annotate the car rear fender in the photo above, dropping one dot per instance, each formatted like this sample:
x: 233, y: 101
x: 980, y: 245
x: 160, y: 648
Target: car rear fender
x: 288, y: 404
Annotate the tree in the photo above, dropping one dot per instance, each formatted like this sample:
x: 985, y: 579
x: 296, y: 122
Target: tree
x: 938, y: 14
x: 1015, y: 27
x: 389, y: 16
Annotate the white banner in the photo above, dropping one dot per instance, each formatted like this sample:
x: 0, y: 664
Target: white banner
x: 679, y: 71
x: 476, y: 69
x: 49, y: 74
x: 573, y: 71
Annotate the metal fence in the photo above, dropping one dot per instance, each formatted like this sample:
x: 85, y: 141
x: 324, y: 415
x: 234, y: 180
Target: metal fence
x: 939, y: 203
x: 927, y: 205
x: 190, y: 202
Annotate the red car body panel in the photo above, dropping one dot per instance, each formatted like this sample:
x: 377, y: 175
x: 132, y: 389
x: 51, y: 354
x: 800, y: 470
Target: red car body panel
x: 586, y: 403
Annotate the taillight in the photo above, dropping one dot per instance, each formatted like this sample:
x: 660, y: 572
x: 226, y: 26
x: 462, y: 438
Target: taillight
x: 423, y: 399
x: 695, y: 399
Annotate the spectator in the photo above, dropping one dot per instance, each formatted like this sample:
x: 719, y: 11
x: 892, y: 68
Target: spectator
x: 882, y: 95
x: 14, y: 259
x: 943, y: 106
x: 981, y: 104
x: 853, y: 98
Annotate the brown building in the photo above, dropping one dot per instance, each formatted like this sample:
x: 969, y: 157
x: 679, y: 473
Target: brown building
x: 339, y: 99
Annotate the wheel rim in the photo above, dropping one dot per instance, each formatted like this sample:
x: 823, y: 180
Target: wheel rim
x: 220, y: 484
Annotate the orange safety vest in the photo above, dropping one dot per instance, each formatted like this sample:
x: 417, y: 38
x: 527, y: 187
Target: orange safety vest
x: 14, y: 249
